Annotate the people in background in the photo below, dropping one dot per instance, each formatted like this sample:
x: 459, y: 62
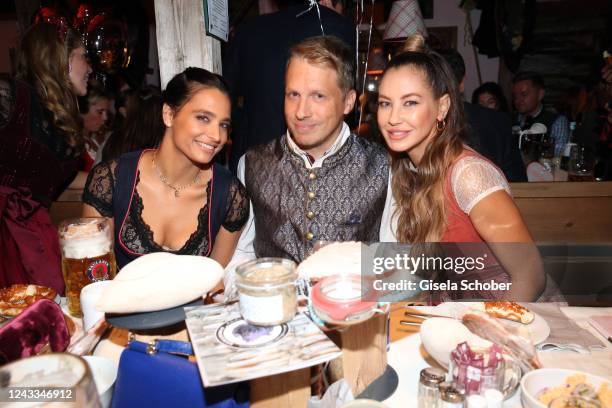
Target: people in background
x: 445, y: 191
x: 255, y: 67
x: 174, y: 198
x: 41, y: 147
x: 490, y: 95
x: 140, y: 123
x: 488, y: 132
x: 95, y: 111
x: 528, y: 91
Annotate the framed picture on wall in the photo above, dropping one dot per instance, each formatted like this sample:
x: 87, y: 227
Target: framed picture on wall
x: 426, y: 8
x: 442, y: 38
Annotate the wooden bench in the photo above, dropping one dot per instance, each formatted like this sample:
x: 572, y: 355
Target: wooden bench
x: 574, y: 212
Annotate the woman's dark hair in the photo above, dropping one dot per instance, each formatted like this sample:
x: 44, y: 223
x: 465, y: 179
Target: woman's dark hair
x: 142, y: 128
x: 494, y: 89
x: 185, y: 85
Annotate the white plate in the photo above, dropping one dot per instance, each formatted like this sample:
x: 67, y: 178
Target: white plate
x: 538, y: 330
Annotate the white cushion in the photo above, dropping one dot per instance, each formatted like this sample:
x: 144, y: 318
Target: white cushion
x: 160, y: 281
x: 338, y: 258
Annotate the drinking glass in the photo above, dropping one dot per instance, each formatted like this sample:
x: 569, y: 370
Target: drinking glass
x: 57, y: 379
x: 476, y: 374
x: 87, y: 256
x: 581, y: 164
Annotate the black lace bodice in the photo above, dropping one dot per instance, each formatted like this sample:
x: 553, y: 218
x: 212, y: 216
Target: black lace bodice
x: 137, y: 235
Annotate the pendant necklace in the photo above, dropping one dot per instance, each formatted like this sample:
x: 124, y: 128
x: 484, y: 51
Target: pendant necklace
x: 164, y: 179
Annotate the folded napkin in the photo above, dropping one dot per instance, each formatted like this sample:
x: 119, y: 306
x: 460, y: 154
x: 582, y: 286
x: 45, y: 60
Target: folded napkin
x: 565, y: 334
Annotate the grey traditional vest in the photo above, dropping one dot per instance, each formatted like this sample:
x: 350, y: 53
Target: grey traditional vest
x: 294, y: 206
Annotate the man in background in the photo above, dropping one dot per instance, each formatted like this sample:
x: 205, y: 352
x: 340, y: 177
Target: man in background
x: 527, y: 94
x: 489, y: 132
x: 255, y: 67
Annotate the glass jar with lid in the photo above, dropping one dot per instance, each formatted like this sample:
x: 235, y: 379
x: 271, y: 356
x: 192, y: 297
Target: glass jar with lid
x: 267, y: 291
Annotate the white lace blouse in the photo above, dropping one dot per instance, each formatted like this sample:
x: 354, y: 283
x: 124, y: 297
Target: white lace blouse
x: 473, y: 178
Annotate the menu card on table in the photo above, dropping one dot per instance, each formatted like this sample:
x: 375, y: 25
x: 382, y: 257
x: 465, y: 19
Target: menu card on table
x: 229, y: 350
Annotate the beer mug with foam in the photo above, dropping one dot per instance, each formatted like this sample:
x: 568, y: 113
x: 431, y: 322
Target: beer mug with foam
x: 87, y: 256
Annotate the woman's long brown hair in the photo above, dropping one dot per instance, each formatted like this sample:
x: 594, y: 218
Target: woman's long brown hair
x: 420, y: 194
x: 43, y: 63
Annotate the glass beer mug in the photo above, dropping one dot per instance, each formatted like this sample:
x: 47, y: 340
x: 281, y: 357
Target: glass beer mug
x: 87, y: 256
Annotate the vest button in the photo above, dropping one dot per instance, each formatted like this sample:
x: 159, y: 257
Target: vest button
x: 312, y: 176
x: 311, y: 195
x: 309, y: 236
x: 310, y: 215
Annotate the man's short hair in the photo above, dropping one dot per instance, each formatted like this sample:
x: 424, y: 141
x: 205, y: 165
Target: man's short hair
x: 328, y: 51
x: 536, y: 79
x: 456, y: 62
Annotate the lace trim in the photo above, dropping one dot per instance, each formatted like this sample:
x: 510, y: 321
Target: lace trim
x: 197, y: 243
x: 474, y: 178
x: 237, y: 207
x: 136, y: 234
x: 100, y: 187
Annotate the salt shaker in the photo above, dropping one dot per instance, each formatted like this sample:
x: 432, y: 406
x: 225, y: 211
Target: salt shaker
x: 429, y: 379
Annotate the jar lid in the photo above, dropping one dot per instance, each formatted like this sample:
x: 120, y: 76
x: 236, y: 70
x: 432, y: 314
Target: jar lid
x: 339, y: 298
x: 266, y: 271
x: 448, y: 393
x: 432, y: 376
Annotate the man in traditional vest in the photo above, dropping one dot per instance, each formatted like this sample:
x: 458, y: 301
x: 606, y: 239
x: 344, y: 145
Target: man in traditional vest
x: 317, y: 182
x: 527, y: 94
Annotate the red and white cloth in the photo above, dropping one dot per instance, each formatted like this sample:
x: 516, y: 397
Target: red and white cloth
x: 405, y: 19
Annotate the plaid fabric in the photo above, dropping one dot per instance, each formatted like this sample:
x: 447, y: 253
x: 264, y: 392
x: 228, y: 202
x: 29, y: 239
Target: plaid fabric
x: 405, y: 19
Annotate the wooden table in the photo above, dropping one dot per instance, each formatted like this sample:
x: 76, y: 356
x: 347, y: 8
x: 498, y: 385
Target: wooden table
x: 293, y: 389
x: 408, y: 357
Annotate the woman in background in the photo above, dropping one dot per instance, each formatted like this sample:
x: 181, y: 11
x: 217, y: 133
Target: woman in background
x: 173, y: 198
x: 95, y: 111
x: 445, y: 191
x: 41, y: 146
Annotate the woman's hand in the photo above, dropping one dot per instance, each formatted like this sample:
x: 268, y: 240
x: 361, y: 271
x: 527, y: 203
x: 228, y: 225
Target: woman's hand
x: 499, y: 223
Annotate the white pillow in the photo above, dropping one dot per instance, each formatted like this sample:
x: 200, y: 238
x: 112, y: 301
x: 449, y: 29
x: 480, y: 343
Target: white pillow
x: 160, y: 281
x: 338, y: 258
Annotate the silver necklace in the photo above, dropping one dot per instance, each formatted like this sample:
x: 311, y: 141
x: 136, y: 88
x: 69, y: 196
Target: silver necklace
x: 164, y: 179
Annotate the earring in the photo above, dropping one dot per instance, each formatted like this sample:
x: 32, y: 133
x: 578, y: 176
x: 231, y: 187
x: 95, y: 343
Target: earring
x: 440, y: 125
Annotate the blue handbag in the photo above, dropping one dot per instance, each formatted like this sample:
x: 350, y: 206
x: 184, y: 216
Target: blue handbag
x: 158, y: 375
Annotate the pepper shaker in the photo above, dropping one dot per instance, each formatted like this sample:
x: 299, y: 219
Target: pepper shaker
x: 429, y: 379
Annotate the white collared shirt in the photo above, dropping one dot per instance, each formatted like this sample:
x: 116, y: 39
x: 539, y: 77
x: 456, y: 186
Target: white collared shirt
x: 245, y: 250
x: 345, y: 133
